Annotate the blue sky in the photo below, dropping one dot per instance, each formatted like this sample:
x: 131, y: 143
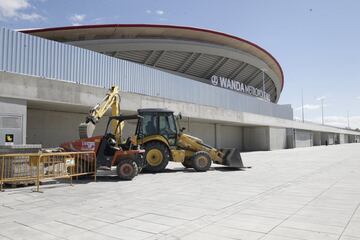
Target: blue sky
x: 316, y: 42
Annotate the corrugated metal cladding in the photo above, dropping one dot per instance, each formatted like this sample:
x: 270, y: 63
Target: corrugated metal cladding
x: 29, y: 55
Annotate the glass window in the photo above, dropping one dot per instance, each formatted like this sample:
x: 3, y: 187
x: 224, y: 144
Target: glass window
x: 172, y: 124
x: 149, y: 126
x: 167, y: 127
x: 163, y: 124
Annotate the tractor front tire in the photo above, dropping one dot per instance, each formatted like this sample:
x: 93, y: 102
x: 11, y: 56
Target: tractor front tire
x: 157, y: 156
x: 201, y: 161
x: 127, y: 169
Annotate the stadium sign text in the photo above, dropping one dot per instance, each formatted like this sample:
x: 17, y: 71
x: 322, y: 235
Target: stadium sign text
x: 238, y: 86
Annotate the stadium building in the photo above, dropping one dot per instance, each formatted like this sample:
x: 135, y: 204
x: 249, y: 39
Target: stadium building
x: 226, y: 87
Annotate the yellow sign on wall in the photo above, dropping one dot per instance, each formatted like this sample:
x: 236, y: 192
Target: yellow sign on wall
x: 9, y: 138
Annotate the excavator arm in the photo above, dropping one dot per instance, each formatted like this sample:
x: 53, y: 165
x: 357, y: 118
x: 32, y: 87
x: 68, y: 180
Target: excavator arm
x: 111, y: 100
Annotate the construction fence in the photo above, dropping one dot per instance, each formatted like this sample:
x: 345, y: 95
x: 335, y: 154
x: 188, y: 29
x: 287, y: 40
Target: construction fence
x: 33, y: 168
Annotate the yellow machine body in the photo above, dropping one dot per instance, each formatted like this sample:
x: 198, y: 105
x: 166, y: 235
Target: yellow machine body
x: 187, y: 145
x: 178, y: 155
x: 160, y: 132
x: 193, y: 144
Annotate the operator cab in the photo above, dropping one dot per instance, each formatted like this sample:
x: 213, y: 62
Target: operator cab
x: 157, y: 122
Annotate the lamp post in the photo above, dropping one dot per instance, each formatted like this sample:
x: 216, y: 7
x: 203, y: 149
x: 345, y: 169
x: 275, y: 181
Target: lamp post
x: 322, y: 111
x: 322, y: 108
x: 348, y: 119
x: 302, y: 104
x: 263, y: 82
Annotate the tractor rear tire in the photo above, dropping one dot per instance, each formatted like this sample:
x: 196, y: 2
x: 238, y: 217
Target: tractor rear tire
x: 187, y: 163
x: 157, y: 156
x: 201, y: 161
x: 127, y: 169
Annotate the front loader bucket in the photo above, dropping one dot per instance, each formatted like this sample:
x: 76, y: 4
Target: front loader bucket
x: 232, y: 158
x: 86, y: 130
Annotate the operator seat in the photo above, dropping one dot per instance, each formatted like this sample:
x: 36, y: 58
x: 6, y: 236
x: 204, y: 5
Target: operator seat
x: 110, y: 145
x: 150, y: 128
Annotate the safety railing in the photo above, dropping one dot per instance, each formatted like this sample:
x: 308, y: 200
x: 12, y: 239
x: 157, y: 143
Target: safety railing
x: 35, y: 167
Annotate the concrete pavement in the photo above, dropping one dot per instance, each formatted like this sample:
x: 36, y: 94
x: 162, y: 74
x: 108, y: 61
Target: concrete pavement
x: 304, y: 193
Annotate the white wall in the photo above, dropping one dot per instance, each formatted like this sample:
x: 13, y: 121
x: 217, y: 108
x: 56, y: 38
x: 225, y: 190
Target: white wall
x: 352, y: 138
x: 303, y: 138
x: 216, y: 135
x: 229, y: 137
x: 317, y: 138
x: 204, y: 131
x: 51, y: 128
x: 341, y: 138
x: 13, y: 110
x: 256, y: 139
x: 337, y: 138
x: 329, y: 137
x: 277, y: 138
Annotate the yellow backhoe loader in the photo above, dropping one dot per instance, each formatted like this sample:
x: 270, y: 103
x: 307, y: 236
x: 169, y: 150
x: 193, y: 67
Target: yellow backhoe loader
x: 163, y: 141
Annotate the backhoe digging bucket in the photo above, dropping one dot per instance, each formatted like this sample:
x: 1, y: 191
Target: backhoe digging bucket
x: 86, y: 130
x: 232, y: 158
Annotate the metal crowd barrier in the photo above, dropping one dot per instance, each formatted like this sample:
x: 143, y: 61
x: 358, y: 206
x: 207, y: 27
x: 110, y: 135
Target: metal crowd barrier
x: 34, y: 167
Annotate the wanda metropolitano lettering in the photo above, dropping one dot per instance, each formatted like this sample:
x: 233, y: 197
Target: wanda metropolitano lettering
x: 239, y: 87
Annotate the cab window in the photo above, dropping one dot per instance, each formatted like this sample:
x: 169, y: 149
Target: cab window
x: 167, y: 127
x: 149, y: 126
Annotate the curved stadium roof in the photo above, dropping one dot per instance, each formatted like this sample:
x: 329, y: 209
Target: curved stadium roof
x: 191, y: 52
